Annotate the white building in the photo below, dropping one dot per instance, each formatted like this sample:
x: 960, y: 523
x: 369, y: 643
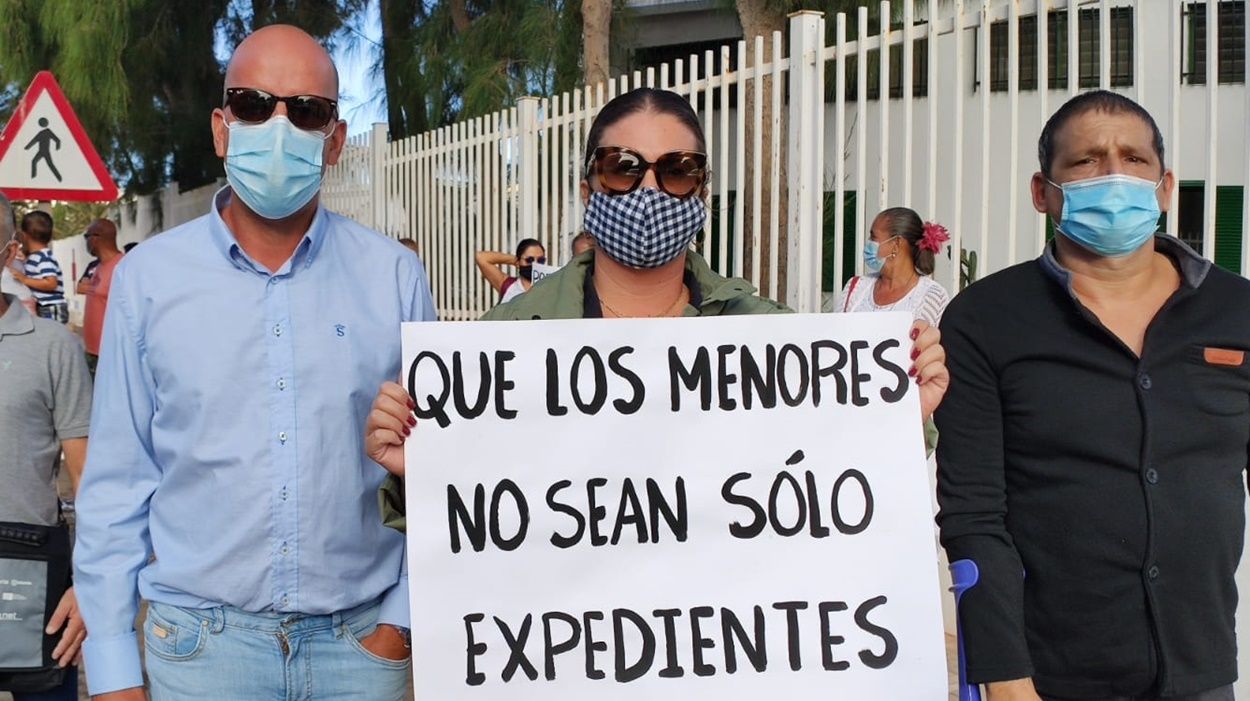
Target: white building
x: 1140, y: 66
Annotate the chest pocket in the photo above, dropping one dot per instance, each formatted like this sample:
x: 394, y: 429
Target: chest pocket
x: 1219, y: 378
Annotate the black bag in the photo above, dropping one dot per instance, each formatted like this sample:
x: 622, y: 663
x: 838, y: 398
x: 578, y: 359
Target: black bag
x: 34, y: 574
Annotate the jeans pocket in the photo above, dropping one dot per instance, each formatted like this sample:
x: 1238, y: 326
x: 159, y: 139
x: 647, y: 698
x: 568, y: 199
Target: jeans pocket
x: 174, y: 633
x: 353, y: 638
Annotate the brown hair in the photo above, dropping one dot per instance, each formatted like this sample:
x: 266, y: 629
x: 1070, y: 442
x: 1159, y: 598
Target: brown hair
x: 38, y: 226
x: 907, y: 225
x: 639, y: 100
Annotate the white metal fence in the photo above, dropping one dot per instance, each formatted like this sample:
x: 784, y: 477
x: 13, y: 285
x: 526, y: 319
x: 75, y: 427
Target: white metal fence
x: 950, y: 132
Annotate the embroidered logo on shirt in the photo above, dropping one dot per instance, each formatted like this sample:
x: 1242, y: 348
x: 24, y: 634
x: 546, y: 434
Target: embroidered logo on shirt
x: 1223, y: 356
x: 340, y: 330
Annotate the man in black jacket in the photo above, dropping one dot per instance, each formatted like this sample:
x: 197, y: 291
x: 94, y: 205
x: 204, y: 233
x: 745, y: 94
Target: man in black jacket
x: 1095, y: 435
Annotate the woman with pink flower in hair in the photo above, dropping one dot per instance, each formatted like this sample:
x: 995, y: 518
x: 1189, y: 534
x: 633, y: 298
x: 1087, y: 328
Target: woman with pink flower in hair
x: 898, y: 260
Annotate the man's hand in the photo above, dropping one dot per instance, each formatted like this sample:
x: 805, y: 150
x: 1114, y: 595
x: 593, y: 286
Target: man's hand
x: 134, y: 694
x: 68, y: 617
x: 929, y: 367
x: 387, y: 642
x: 1014, y: 690
x: 389, y: 424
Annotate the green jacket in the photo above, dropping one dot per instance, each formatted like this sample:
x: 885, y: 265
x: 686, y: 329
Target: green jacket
x: 560, y: 296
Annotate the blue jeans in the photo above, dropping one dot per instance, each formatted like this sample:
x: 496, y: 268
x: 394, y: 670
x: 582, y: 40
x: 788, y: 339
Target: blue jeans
x: 224, y: 653
x: 56, y: 312
x: 67, y: 691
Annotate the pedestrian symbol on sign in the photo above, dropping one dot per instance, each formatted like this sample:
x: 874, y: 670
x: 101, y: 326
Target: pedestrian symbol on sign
x: 44, y: 141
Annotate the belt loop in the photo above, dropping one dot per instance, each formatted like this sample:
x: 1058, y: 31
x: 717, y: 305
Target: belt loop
x: 219, y: 619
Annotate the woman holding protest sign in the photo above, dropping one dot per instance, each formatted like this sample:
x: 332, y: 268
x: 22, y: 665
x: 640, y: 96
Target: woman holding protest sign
x: 898, y: 258
x: 528, y: 252
x: 643, y: 186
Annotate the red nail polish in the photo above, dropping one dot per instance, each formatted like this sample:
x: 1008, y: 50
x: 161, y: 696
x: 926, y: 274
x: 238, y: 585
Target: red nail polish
x: 915, y: 333
x: 912, y: 372
x: 915, y: 353
x: 412, y: 421
x: 407, y: 431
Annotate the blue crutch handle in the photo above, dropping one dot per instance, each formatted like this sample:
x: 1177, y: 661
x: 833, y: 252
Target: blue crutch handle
x: 964, y: 576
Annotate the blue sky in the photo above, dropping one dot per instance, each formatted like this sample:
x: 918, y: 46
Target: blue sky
x: 358, y: 102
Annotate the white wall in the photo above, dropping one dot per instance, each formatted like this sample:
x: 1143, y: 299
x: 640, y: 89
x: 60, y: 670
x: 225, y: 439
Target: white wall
x: 1187, y: 155
x: 137, y: 220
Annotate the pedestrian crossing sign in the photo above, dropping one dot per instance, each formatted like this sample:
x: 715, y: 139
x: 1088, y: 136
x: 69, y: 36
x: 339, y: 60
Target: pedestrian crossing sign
x: 45, y: 153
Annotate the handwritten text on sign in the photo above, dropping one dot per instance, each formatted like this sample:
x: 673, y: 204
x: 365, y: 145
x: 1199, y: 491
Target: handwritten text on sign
x: 694, y: 509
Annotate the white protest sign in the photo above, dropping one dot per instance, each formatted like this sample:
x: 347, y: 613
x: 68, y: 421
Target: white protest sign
x: 688, y: 509
x: 541, y: 271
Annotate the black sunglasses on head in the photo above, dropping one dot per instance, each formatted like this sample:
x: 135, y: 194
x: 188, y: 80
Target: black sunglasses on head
x: 308, y: 112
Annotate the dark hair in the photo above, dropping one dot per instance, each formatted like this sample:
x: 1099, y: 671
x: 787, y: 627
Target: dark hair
x: 640, y: 100
x: 129, y: 247
x: 907, y: 225
x: 38, y: 226
x: 526, y: 243
x: 1093, y: 101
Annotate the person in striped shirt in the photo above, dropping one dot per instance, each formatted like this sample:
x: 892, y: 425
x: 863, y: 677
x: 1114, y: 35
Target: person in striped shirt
x: 42, y: 274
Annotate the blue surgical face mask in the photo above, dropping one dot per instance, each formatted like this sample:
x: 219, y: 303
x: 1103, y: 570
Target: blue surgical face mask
x: 873, y: 262
x: 1111, y: 215
x: 274, y: 167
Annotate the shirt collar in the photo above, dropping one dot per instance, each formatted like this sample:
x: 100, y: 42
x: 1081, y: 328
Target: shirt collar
x: 1193, y: 267
x: 16, y: 321
x: 229, y: 247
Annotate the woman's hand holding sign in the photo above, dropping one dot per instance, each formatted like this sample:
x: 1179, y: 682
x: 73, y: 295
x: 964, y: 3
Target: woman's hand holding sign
x: 391, y: 419
x: 929, y: 367
x: 389, y: 424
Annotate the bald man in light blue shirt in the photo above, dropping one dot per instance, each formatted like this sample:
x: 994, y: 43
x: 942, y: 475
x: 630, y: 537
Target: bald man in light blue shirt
x: 240, y: 354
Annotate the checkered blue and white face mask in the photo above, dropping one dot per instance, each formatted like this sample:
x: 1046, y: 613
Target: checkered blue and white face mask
x: 645, y: 228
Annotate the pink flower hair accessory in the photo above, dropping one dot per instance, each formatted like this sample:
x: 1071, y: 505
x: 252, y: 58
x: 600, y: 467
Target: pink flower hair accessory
x: 933, y: 237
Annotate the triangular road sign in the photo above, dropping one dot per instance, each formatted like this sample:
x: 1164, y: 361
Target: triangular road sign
x: 46, y: 155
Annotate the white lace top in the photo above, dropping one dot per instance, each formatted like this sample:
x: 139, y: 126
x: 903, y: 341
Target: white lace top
x: 927, y: 300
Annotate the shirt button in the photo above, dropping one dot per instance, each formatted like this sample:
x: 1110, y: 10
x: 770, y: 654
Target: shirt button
x: 284, y: 600
x: 1144, y: 381
x: 284, y: 494
x: 281, y: 383
x: 277, y: 329
x: 1153, y: 572
x: 285, y: 550
x: 282, y: 436
x: 1152, y: 476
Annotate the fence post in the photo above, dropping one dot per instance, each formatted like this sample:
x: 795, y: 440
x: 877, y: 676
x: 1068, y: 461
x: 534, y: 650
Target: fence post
x: 804, y: 182
x: 527, y: 134
x: 377, y: 178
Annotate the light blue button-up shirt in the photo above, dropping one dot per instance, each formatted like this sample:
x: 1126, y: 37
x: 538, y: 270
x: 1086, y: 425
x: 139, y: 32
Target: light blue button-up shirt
x: 226, y: 439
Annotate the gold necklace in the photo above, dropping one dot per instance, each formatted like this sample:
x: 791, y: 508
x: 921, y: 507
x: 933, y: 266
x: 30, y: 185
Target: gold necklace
x: 680, y: 302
